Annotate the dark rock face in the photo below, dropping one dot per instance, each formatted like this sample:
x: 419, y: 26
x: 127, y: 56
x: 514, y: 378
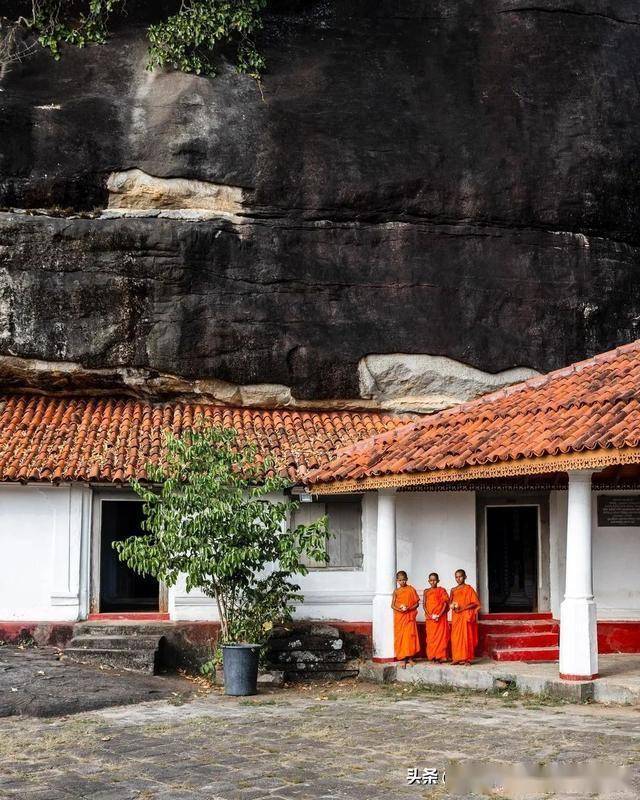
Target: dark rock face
x: 454, y: 177
x: 300, y: 303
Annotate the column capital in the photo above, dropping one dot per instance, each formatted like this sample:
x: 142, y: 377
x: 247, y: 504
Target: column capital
x: 580, y: 475
x: 387, y: 492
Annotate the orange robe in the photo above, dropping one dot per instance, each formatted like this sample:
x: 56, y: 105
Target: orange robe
x: 436, y: 601
x: 405, y: 628
x: 464, y: 624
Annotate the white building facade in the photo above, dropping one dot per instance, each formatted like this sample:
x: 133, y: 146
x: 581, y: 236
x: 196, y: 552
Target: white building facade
x: 57, y: 564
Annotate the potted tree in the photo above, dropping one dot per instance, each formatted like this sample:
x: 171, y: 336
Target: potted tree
x: 215, y: 513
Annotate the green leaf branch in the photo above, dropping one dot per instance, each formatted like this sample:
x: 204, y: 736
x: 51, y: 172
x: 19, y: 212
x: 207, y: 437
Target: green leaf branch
x: 189, y: 40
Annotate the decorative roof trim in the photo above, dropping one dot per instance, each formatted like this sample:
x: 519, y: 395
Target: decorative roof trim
x: 591, y: 459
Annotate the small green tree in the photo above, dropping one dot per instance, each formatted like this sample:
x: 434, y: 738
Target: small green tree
x: 208, y: 517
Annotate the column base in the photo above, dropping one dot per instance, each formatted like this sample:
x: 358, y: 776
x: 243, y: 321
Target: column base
x: 383, y: 647
x: 564, y: 677
x: 578, y: 640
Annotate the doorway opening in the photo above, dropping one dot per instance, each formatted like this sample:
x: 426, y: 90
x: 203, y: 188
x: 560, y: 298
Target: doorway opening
x: 120, y: 588
x: 512, y: 556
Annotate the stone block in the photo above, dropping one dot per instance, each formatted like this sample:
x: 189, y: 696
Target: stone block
x: 572, y: 691
x: 274, y: 678
x: 377, y: 673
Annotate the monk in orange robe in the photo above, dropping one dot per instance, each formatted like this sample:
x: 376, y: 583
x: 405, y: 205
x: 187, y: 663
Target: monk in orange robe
x: 436, y: 605
x: 405, y: 602
x: 464, y: 604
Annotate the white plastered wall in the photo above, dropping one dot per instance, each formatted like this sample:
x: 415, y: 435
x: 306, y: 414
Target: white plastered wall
x: 616, y: 550
x: 436, y: 532
x: 616, y: 554
x: 44, y: 534
x: 329, y: 594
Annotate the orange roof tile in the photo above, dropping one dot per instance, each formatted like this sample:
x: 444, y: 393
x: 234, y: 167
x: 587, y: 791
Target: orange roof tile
x: 104, y: 439
x: 587, y: 414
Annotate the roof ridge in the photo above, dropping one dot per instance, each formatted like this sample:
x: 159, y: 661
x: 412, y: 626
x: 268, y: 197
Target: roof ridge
x: 117, y: 397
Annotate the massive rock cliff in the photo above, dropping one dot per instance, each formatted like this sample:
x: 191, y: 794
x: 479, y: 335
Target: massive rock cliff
x: 420, y: 192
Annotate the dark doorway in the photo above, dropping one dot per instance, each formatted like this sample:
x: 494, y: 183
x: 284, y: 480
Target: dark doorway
x: 512, y: 550
x: 122, y: 589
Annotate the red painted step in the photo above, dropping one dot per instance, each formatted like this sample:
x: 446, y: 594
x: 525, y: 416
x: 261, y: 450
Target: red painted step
x: 515, y: 617
x: 532, y: 626
x: 134, y: 616
x: 516, y: 640
x: 526, y: 654
x: 519, y: 637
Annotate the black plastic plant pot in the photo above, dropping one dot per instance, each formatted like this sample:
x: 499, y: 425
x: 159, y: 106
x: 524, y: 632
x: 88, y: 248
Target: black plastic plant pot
x: 240, y: 663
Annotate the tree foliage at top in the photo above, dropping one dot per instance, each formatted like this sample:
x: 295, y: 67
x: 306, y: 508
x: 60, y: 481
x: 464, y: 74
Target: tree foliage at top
x: 210, y: 515
x: 189, y: 40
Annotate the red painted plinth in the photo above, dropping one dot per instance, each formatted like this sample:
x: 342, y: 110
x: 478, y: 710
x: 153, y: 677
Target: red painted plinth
x: 132, y: 616
x: 564, y: 677
x: 384, y: 660
x: 618, y: 636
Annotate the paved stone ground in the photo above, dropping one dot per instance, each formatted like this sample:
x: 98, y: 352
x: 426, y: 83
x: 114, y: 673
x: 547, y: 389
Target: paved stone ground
x: 36, y: 682
x: 346, y: 742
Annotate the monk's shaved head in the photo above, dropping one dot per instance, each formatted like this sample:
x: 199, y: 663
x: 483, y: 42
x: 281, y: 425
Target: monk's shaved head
x: 402, y: 576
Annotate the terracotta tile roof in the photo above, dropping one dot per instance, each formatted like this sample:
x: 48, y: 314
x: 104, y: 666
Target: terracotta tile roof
x: 111, y: 440
x: 587, y: 414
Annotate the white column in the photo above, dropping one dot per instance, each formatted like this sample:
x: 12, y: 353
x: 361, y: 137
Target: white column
x: 385, y: 575
x: 578, y: 630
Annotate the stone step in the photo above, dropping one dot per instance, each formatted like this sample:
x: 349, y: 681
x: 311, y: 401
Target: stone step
x: 101, y: 642
x: 525, y: 639
x: 134, y: 660
x: 532, y: 654
x: 132, y: 629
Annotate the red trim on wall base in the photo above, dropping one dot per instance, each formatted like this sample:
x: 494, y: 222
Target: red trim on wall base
x: 53, y: 634
x: 384, y: 660
x: 133, y: 616
x: 564, y: 677
x: 361, y: 628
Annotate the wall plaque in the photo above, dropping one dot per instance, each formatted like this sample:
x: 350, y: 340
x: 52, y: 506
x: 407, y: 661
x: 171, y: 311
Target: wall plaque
x: 618, y: 510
